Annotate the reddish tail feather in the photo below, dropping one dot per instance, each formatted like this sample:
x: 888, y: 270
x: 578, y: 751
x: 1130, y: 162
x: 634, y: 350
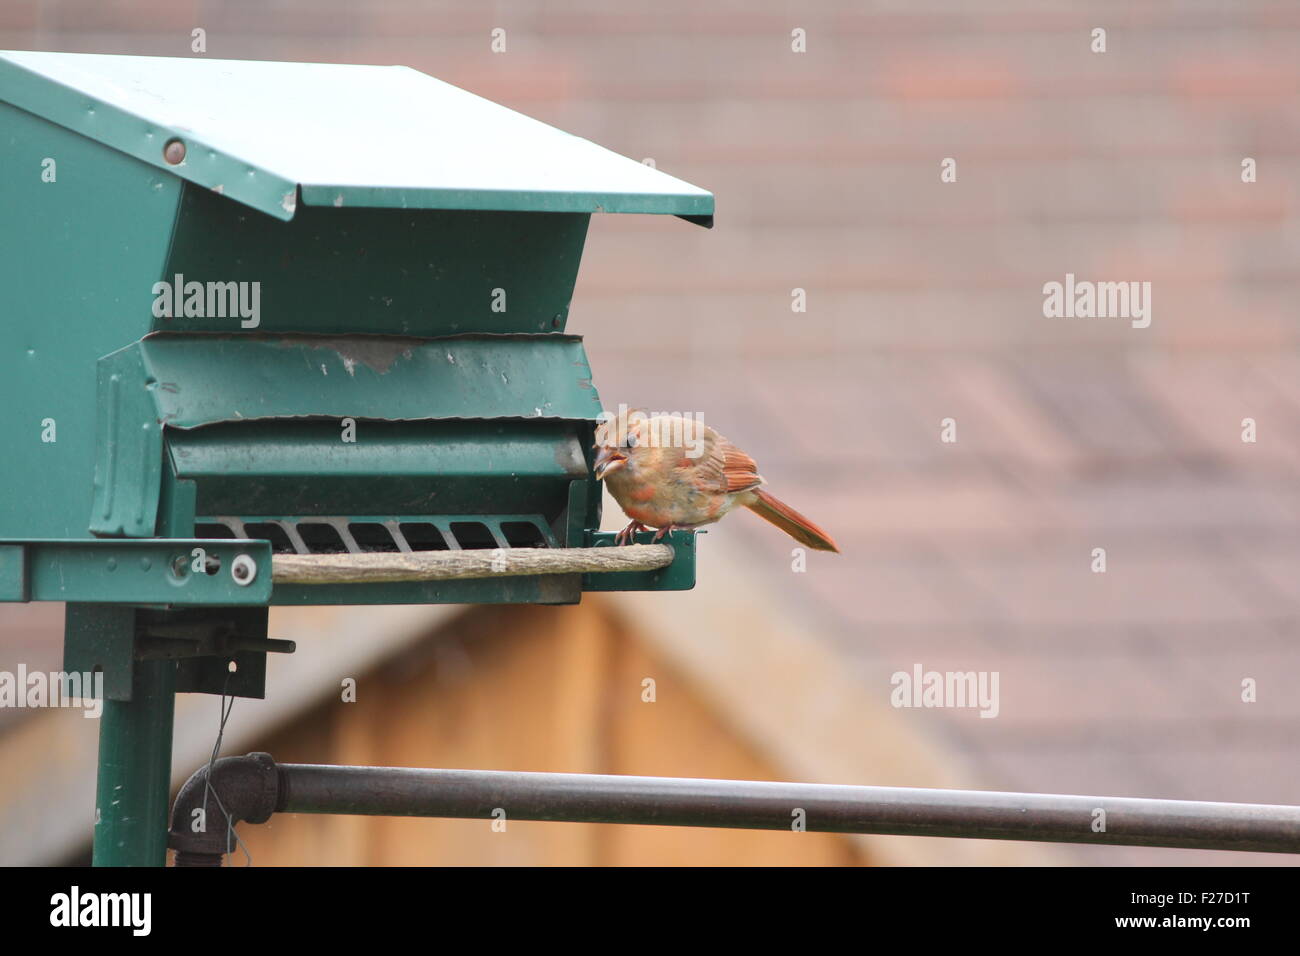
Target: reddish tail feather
x: 791, y: 522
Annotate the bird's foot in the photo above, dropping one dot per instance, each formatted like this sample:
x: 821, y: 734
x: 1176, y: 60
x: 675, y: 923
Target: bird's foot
x: 627, y: 534
x: 659, y: 535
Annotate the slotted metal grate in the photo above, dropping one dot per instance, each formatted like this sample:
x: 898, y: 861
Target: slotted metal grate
x: 360, y: 534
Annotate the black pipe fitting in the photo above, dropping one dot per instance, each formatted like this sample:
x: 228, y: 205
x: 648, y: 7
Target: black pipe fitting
x: 247, y: 787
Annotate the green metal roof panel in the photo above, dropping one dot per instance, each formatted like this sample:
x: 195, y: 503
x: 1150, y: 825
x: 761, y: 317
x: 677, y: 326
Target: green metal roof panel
x: 264, y: 133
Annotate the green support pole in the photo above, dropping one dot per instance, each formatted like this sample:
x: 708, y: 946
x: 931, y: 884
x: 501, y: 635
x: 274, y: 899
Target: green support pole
x: 133, y: 793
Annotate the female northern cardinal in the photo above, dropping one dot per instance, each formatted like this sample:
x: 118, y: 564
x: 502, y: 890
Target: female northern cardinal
x: 677, y: 473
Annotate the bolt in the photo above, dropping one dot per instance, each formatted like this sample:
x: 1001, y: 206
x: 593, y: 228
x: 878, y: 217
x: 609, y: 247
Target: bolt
x: 174, y: 152
x: 244, y: 570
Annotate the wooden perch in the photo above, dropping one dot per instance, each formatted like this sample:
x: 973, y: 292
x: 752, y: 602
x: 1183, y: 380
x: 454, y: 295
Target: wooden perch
x: 375, y: 567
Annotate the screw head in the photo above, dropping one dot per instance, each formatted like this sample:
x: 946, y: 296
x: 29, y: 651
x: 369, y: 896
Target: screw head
x: 174, y: 152
x: 243, y: 570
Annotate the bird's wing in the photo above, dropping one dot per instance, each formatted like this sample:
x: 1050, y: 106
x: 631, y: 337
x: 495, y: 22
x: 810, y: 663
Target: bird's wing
x: 723, y: 468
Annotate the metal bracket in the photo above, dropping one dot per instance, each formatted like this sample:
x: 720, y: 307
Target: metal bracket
x: 204, y: 643
x: 137, y: 571
x: 678, y: 576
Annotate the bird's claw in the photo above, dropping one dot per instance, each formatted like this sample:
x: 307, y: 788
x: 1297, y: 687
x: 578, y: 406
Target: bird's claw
x: 627, y: 535
x: 659, y: 535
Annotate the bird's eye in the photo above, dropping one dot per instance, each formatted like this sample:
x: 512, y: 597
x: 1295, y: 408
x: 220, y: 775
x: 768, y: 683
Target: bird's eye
x: 631, y: 440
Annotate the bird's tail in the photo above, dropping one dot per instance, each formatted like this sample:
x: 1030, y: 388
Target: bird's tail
x: 791, y: 522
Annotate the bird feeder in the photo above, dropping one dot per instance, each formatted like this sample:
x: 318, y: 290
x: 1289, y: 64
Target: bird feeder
x: 264, y: 321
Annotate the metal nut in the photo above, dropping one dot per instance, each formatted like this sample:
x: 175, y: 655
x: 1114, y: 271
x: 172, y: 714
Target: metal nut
x: 244, y: 570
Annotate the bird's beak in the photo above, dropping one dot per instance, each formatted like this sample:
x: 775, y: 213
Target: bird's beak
x: 607, y: 460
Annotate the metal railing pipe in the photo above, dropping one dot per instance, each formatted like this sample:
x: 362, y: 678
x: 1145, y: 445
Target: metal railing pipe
x: 671, y: 801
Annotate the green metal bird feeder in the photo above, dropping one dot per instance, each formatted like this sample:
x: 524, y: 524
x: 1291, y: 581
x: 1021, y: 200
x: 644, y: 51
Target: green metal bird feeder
x: 260, y: 317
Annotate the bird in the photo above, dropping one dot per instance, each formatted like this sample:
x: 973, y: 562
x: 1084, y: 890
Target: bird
x: 674, y: 473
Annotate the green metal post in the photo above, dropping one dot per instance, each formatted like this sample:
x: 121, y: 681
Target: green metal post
x: 135, y: 763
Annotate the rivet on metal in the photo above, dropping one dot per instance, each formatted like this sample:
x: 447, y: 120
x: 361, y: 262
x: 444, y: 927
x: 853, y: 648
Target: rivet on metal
x: 174, y: 152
